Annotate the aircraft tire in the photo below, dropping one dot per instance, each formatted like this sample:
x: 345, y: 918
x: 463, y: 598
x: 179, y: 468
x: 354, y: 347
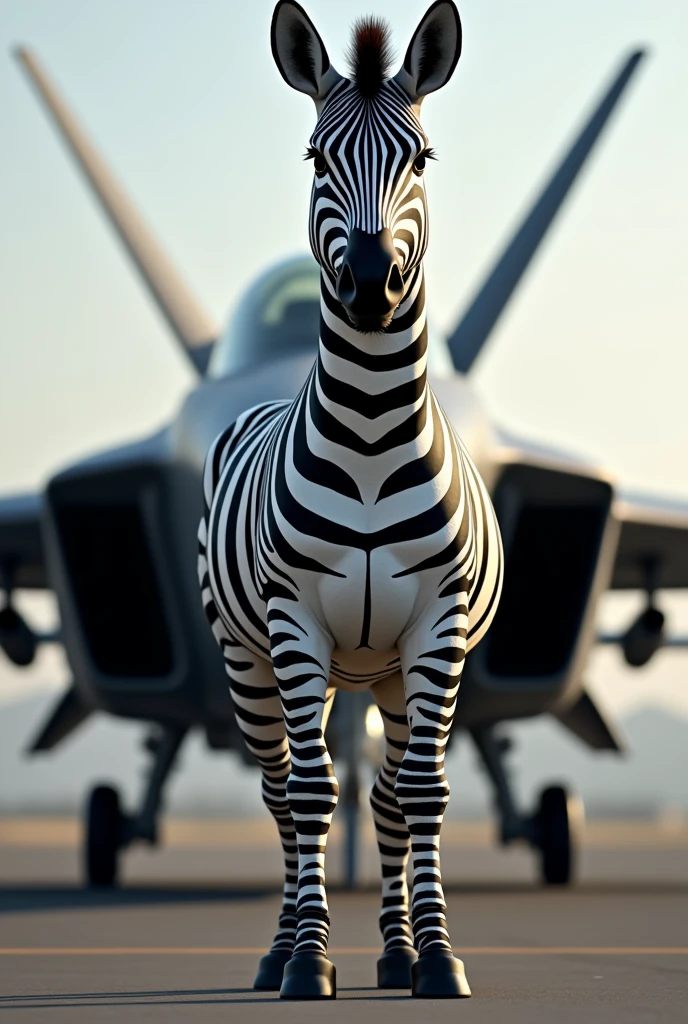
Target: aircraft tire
x: 103, y: 836
x: 556, y: 817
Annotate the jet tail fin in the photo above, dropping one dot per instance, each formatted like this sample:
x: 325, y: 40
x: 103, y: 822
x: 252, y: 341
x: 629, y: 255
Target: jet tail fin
x: 488, y: 304
x: 182, y: 311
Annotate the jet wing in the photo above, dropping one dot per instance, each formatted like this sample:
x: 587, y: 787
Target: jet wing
x: 653, y: 543
x: 22, y: 555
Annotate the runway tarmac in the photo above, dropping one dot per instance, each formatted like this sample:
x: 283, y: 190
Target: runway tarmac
x: 610, y: 950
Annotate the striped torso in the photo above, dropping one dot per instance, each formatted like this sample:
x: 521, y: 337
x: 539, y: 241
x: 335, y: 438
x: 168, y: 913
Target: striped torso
x: 357, y: 498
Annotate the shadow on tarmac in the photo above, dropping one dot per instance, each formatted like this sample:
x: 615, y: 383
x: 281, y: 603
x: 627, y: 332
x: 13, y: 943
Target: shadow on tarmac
x: 27, y: 899
x: 15, y: 899
x: 224, y: 996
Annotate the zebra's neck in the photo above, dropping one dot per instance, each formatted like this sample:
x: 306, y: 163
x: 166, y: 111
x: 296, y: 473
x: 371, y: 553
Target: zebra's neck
x: 369, y: 388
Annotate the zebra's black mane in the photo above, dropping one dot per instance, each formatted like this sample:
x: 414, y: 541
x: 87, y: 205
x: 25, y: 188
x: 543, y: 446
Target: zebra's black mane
x: 370, y: 55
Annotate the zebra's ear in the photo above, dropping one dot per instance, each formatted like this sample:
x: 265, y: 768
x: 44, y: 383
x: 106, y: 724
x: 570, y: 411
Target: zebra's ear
x: 299, y: 51
x: 433, y: 52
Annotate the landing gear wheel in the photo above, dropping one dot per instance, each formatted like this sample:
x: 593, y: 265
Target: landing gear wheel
x: 557, y: 820
x: 104, y: 822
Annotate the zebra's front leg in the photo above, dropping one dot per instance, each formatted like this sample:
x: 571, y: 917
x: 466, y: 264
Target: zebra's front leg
x: 258, y: 711
x: 432, y: 657
x: 393, y: 839
x: 301, y: 653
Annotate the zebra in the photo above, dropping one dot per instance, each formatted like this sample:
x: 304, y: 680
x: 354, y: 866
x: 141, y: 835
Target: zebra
x: 348, y: 541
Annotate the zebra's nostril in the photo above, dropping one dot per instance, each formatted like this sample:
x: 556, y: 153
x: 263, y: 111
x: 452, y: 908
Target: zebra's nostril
x: 395, y: 283
x: 346, y: 287
x: 370, y: 284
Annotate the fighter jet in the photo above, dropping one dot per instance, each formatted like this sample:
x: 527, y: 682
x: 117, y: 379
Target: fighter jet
x: 114, y: 537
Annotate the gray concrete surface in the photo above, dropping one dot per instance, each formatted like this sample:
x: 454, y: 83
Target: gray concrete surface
x: 610, y: 950
x: 246, y: 852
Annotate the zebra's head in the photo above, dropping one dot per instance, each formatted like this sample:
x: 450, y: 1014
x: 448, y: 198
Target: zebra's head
x: 368, y: 217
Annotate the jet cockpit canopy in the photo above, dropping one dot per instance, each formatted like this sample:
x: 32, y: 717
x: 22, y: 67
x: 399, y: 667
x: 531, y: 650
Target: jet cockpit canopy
x: 279, y: 316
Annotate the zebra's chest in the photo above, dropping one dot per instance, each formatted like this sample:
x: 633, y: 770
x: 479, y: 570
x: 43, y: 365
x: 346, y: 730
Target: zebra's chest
x: 354, y: 561
x: 366, y: 607
x: 359, y: 596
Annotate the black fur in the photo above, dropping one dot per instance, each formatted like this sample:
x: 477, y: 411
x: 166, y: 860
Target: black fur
x: 431, y: 52
x: 301, y: 53
x: 370, y: 55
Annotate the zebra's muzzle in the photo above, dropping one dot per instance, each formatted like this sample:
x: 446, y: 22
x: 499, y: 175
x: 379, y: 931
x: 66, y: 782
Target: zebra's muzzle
x: 370, y: 285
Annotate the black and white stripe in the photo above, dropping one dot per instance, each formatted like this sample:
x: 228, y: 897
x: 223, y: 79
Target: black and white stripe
x: 349, y: 542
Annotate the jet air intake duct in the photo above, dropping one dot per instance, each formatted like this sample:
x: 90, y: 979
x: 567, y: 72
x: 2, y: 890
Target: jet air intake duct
x: 115, y: 587
x: 116, y: 581
x: 121, y: 531
x: 553, y: 525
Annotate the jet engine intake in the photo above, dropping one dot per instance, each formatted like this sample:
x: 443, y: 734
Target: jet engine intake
x: 554, y: 525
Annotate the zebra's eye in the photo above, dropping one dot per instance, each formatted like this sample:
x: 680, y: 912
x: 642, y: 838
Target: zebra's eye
x: 419, y: 162
x: 319, y: 161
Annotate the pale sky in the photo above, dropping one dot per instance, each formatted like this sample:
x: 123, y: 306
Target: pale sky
x: 186, y: 104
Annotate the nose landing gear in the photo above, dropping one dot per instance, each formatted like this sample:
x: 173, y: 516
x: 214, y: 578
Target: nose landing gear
x: 109, y: 830
x: 104, y: 828
x: 554, y: 830
x: 556, y: 826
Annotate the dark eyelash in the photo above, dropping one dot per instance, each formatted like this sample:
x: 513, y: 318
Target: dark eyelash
x: 312, y: 153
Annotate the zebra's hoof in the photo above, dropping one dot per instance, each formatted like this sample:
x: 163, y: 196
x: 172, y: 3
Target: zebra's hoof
x: 309, y: 976
x: 394, y: 968
x: 270, y: 970
x: 439, y: 975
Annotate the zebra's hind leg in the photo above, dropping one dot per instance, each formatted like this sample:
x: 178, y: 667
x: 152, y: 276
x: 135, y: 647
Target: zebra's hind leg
x: 258, y: 712
x: 432, y: 658
x: 393, y: 840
